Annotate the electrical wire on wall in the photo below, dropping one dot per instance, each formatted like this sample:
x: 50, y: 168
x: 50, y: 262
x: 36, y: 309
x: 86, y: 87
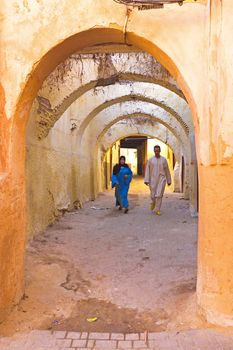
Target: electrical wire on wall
x: 148, y: 4
x: 128, y: 12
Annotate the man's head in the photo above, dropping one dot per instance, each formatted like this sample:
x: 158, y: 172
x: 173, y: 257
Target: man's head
x: 122, y: 160
x: 157, y: 151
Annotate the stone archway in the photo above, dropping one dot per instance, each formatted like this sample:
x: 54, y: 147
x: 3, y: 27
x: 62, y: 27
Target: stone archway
x: 68, y: 82
x: 46, y: 116
x: 46, y: 64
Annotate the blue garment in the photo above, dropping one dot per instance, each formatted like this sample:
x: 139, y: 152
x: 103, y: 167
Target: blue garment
x: 121, y: 185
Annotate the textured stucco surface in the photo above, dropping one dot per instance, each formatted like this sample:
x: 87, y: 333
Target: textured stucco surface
x: 50, y: 175
x: 194, y: 43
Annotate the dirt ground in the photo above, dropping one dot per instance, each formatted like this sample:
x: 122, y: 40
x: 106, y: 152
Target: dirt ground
x: 134, y: 271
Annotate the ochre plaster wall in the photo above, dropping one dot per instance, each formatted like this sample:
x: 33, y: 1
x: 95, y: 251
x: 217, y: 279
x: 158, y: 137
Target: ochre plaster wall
x: 194, y: 42
x: 51, y: 174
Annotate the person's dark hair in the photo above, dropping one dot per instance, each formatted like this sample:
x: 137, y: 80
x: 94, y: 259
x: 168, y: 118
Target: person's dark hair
x: 122, y: 157
x: 118, y: 166
x: 157, y: 146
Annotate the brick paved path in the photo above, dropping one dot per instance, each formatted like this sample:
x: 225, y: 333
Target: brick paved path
x: 186, y: 340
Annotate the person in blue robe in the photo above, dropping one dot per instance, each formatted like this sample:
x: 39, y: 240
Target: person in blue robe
x: 121, y: 178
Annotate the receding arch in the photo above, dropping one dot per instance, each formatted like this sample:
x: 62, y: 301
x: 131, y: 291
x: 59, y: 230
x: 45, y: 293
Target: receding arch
x: 100, y: 95
x: 105, y: 115
x: 136, y: 134
x: 144, y: 67
x: 56, y: 112
x: 105, y: 142
x: 147, y: 116
x: 134, y: 98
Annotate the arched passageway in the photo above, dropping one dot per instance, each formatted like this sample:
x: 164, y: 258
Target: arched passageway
x: 133, y: 104
x: 214, y: 294
x: 91, y: 119
x: 69, y: 172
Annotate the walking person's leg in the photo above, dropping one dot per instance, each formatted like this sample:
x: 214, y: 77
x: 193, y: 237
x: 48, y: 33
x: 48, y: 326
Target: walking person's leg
x: 118, y: 200
x: 153, y: 200
x: 159, y: 194
x: 158, y: 205
x: 152, y: 205
x: 125, y: 202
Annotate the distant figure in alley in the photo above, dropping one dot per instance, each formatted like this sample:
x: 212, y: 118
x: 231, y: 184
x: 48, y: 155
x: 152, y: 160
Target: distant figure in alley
x: 156, y: 176
x: 121, y: 178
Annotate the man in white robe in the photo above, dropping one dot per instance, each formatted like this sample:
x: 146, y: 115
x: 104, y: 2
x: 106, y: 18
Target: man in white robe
x: 156, y: 176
